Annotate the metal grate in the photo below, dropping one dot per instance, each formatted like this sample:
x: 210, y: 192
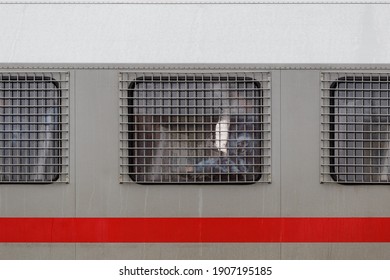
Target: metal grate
x: 34, y: 127
x: 355, y: 128
x: 195, y: 128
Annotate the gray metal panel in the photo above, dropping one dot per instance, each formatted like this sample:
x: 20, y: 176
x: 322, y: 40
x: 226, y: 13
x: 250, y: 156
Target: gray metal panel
x: 43, y: 200
x: 302, y: 193
x: 37, y: 251
x: 181, y: 251
x: 336, y: 251
x: 97, y: 157
x: 99, y: 193
x: 97, y: 143
x: 295, y: 189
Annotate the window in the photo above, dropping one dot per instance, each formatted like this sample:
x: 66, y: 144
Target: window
x: 356, y: 128
x: 33, y: 127
x: 195, y: 128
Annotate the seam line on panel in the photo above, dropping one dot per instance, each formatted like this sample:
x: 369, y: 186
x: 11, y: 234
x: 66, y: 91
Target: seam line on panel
x: 346, y: 67
x: 280, y: 155
x: 74, y: 104
x: 198, y: 3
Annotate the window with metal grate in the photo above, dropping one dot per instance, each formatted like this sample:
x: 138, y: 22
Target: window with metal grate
x: 195, y: 128
x: 355, y: 128
x: 34, y: 124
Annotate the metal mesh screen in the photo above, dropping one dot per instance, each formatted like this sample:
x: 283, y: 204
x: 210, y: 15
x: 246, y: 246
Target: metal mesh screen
x: 34, y: 127
x: 355, y: 128
x: 195, y: 128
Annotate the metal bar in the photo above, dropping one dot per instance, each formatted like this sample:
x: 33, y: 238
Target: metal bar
x: 34, y: 125
x: 355, y: 127
x: 195, y: 127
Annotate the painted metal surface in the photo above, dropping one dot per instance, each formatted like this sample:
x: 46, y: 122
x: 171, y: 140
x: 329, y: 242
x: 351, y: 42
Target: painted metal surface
x: 341, y: 36
x: 94, y: 188
x: 195, y: 33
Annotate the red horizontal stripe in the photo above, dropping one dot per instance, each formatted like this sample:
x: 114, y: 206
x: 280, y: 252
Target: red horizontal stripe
x: 194, y: 229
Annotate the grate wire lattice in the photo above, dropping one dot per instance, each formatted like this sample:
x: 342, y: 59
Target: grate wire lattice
x: 195, y: 127
x: 355, y: 127
x: 34, y: 127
